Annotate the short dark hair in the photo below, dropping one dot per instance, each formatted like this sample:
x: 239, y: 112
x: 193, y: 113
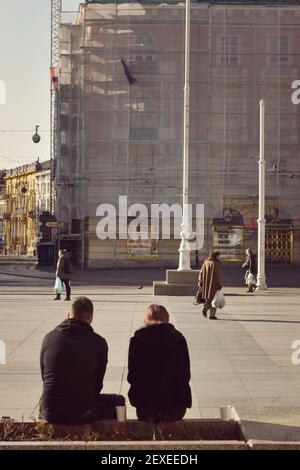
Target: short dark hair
x: 82, y: 308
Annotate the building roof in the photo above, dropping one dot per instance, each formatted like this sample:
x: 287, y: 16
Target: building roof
x: 28, y: 168
x: 45, y: 165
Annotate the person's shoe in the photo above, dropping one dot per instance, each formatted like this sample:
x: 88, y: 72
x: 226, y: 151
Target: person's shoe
x: 213, y: 318
x: 204, y: 313
x: 57, y: 297
x: 249, y: 290
x: 67, y: 299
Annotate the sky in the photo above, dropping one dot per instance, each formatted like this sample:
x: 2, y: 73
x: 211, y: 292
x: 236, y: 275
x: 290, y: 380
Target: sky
x: 24, y: 69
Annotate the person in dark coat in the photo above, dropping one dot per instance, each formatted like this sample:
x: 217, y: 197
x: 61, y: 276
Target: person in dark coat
x: 210, y: 281
x: 73, y: 363
x: 159, y: 369
x: 250, y: 266
x: 63, y: 271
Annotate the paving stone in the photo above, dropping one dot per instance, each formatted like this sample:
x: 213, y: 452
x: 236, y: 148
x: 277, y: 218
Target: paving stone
x: 242, y: 359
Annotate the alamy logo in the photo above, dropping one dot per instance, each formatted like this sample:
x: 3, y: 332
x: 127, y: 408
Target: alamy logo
x: 2, y: 353
x: 296, y: 94
x: 296, y: 353
x: 154, y: 224
x: 2, y: 92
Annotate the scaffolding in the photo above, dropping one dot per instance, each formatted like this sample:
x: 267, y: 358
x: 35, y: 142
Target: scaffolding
x: 56, y: 8
x: 122, y: 139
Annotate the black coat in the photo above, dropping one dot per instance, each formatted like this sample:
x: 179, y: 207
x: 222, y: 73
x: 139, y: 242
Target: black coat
x: 251, y: 264
x: 73, y: 363
x: 159, y: 368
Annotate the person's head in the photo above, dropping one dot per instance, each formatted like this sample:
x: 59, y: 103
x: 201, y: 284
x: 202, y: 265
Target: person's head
x: 249, y: 252
x: 156, y: 314
x: 61, y: 253
x: 82, y: 309
x: 214, y: 256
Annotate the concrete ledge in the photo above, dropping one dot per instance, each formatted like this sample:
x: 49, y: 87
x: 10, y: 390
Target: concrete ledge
x: 183, y: 277
x: 168, y: 445
x: 215, y: 434
x: 42, y: 446
x: 162, y: 288
x: 11, y: 261
x: 133, y: 435
x: 124, y: 445
x: 178, y: 283
x: 146, y: 445
x: 274, y: 445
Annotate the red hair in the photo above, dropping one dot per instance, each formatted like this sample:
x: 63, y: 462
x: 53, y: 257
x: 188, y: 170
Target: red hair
x: 156, y: 314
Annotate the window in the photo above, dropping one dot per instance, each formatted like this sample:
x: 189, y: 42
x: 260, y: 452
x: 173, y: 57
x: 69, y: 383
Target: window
x: 278, y: 49
x: 143, y: 120
x: 143, y: 133
x: 144, y: 39
x: 231, y: 172
x: 137, y: 106
x: 283, y: 172
x: 230, y: 49
x: 146, y: 63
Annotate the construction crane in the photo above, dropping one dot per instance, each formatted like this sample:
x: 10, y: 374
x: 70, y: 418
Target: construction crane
x: 56, y: 12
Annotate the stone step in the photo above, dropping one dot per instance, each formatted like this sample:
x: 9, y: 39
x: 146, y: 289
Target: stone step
x: 163, y: 288
x: 182, y: 277
x: 18, y: 260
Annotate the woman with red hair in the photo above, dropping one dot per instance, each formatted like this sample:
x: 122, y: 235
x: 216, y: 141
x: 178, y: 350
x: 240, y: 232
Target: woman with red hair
x: 159, y: 369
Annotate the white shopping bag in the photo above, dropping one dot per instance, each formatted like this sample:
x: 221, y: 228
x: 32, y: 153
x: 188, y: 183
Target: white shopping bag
x: 58, y: 286
x: 251, y: 279
x: 218, y: 300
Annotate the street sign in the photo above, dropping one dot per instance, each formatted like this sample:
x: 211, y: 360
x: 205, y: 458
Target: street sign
x: 54, y: 224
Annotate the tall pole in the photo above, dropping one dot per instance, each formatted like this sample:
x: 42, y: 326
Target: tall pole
x: 184, y: 250
x: 261, y: 275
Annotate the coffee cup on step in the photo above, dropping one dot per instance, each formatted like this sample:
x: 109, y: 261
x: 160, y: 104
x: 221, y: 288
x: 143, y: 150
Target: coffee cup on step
x: 121, y: 413
x: 225, y: 412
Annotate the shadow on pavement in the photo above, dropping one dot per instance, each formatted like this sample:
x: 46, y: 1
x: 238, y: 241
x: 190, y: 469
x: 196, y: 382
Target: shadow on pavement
x: 271, y: 432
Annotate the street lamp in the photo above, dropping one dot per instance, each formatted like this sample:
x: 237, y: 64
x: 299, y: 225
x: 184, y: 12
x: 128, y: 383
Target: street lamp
x: 36, y: 138
x: 261, y: 275
x: 184, y: 250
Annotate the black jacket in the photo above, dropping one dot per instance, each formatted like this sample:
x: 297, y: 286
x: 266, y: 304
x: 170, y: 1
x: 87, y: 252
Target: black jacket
x: 251, y: 264
x: 159, y: 368
x: 73, y: 364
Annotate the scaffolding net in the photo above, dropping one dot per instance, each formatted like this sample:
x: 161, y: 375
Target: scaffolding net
x: 121, y: 138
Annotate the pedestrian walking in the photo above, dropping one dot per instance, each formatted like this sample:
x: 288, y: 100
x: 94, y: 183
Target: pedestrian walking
x: 250, y: 266
x: 159, y: 369
x: 64, y: 273
x: 210, y: 283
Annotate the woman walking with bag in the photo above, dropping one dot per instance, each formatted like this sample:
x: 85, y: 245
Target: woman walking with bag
x: 63, y: 274
x: 210, y: 282
x: 251, y: 270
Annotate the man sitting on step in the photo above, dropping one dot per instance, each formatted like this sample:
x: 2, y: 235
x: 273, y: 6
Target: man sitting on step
x: 73, y: 363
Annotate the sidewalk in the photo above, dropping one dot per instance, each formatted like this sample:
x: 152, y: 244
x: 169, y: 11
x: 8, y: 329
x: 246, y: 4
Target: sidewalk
x: 233, y: 276
x: 244, y: 359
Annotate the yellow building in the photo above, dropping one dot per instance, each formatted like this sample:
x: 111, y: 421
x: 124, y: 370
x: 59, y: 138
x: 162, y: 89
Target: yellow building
x: 20, y: 218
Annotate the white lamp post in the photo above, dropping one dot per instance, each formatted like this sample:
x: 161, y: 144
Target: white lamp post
x: 184, y: 250
x: 261, y: 275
